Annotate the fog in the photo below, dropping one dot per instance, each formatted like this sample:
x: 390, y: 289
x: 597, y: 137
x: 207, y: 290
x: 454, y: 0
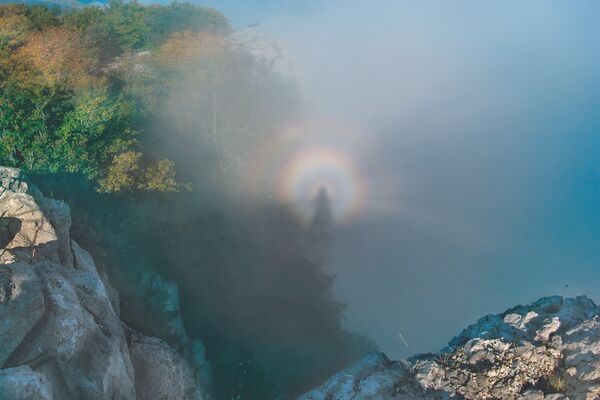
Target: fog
x: 475, y: 128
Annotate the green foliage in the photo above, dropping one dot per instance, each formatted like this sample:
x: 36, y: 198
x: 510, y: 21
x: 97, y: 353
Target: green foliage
x: 44, y: 130
x: 14, y: 26
x: 129, y: 21
x: 140, y: 27
x: 83, y: 18
x: 30, y: 118
x: 42, y: 17
x: 16, y: 20
x: 96, y: 32
x: 95, y: 131
x: 63, y: 107
x: 123, y: 174
x: 160, y: 177
x: 127, y: 174
x: 177, y: 17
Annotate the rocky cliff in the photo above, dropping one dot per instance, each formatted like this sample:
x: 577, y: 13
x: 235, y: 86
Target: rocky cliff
x: 60, y: 334
x: 547, y: 350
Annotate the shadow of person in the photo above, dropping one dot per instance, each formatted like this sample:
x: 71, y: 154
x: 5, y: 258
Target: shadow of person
x: 9, y: 227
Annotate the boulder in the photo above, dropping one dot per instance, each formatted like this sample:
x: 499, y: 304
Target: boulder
x: 21, y: 296
x: 79, y: 340
x: 371, y: 378
x: 60, y: 331
x: 580, y: 347
x: 12, y: 180
x: 22, y: 383
x: 28, y: 235
x: 160, y: 372
x: 59, y: 215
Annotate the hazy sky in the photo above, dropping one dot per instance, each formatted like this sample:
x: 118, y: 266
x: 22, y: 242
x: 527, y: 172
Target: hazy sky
x: 476, y: 126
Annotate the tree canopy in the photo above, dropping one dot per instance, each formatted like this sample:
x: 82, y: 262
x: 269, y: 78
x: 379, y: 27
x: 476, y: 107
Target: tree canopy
x: 67, y: 96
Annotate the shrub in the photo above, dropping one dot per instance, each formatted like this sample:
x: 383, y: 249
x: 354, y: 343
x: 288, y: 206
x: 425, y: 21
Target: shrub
x: 123, y: 173
x: 557, y: 383
x: 126, y: 174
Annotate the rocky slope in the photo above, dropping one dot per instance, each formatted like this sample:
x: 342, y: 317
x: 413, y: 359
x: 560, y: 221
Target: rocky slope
x: 60, y: 333
x: 547, y: 350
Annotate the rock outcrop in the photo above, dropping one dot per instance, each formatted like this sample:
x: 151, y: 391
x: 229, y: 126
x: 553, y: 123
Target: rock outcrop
x: 547, y: 350
x: 23, y: 383
x: 373, y: 377
x: 60, y: 333
x: 166, y: 375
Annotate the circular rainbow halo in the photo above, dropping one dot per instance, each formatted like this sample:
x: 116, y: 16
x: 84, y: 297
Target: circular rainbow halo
x: 322, y: 168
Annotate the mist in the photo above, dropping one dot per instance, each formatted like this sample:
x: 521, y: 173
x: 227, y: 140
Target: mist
x: 474, y: 126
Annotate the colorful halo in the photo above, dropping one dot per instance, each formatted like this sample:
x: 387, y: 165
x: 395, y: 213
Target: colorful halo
x: 314, y: 169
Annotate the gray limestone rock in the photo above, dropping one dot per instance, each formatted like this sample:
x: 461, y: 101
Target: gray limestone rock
x: 549, y: 350
x: 22, y: 383
x: 60, y: 333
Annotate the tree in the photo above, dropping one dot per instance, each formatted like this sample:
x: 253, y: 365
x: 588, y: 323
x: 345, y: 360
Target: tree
x: 54, y: 134
x: 141, y: 27
x: 92, y: 134
x: 97, y: 34
x: 42, y: 17
x: 14, y: 26
x: 58, y: 55
x: 127, y: 174
x: 129, y: 20
x: 160, y: 177
x: 220, y: 102
x: 123, y: 174
x: 30, y: 114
